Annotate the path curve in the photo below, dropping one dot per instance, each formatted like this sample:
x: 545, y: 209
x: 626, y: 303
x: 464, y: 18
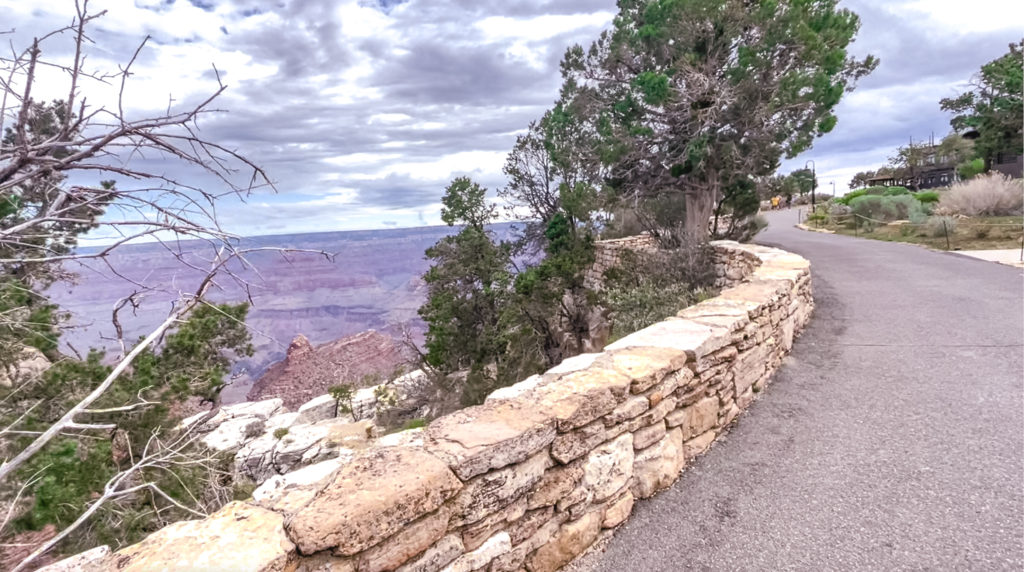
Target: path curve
x: 891, y: 438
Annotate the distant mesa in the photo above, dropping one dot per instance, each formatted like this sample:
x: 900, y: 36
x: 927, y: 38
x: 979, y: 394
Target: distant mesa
x: 363, y: 359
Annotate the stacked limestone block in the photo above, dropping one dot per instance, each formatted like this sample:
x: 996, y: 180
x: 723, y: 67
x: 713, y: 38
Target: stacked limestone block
x: 608, y: 254
x: 531, y: 478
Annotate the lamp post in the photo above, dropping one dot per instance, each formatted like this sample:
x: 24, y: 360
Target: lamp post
x: 814, y: 181
x: 833, y: 188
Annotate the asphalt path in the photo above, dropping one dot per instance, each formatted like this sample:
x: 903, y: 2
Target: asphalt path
x: 891, y: 439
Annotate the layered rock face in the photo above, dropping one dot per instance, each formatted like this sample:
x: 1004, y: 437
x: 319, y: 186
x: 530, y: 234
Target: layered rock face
x: 308, y: 371
x: 31, y: 363
x: 269, y: 440
x: 531, y: 478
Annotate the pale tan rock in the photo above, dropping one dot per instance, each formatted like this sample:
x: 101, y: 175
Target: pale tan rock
x: 406, y: 543
x: 730, y: 415
x: 495, y: 546
x: 698, y: 444
x: 618, y: 511
x: 493, y: 491
x: 754, y: 295
x: 317, y: 409
x: 579, y: 398
x: 685, y: 335
x: 647, y: 436
x: 28, y: 366
x: 288, y: 493
x: 232, y: 434
x: 653, y: 415
x: 658, y: 466
x: 79, y: 562
x: 280, y: 421
x: 575, y: 363
x: 518, y: 390
x: 475, y: 534
x: 556, y: 483
x: 646, y: 366
x: 513, y: 560
x: 731, y: 316
x: 436, y: 557
x: 628, y: 410
x: 745, y: 399
x: 699, y: 417
x: 570, y: 541
x: 371, y: 498
x: 407, y: 438
x: 750, y: 365
x: 490, y: 436
x: 572, y: 445
x: 662, y: 390
x: 529, y: 524
x: 253, y: 537
x: 325, y: 562
x: 608, y: 468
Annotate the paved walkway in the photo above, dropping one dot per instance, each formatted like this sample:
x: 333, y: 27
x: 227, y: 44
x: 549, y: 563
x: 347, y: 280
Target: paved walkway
x: 892, y: 438
x: 1011, y: 257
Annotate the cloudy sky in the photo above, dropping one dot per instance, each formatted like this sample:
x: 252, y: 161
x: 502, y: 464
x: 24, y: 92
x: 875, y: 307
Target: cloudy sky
x: 363, y: 110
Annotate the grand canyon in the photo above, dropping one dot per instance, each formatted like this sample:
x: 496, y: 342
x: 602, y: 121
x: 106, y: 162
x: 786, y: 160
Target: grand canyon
x: 372, y: 282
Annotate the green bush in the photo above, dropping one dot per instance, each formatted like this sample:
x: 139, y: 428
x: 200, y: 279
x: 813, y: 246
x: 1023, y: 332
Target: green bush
x: 648, y: 287
x: 848, y: 197
x: 927, y: 197
x: 938, y: 226
x: 971, y: 169
x: 894, y: 191
x: 414, y: 424
x: 886, y: 209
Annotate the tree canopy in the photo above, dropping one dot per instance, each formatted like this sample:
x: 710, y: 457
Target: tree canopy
x: 692, y: 96
x: 994, y: 106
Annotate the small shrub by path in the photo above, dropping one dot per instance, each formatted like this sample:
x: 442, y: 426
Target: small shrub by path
x: 971, y: 233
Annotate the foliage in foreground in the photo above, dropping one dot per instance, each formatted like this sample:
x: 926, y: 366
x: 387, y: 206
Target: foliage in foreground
x: 648, y: 287
x: 71, y: 471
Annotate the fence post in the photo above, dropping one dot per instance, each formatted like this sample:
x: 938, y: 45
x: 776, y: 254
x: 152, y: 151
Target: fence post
x: 945, y: 230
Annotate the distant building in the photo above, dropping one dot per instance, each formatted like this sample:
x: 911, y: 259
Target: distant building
x: 1007, y: 163
x: 1011, y: 164
x: 934, y: 170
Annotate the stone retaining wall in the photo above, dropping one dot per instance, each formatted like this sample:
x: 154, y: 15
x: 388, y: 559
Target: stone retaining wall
x: 531, y: 478
x: 607, y: 254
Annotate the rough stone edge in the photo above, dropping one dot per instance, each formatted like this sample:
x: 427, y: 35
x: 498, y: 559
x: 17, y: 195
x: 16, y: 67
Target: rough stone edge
x: 770, y: 265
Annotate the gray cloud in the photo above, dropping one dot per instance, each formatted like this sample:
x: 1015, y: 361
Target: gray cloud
x: 434, y: 84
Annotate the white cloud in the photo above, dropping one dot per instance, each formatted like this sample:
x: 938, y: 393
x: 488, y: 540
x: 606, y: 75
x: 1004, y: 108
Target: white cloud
x: 372, y: 111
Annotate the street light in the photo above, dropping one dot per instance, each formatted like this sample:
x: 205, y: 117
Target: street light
x: 833, y: 188
x: 814, y: 181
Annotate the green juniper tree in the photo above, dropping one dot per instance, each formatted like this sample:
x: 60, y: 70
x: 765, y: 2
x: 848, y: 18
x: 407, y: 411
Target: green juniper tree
x: 995, y: 107
x: 693, y: 96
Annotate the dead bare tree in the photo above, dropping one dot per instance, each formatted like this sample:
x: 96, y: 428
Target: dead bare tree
x: 157, y: 455
x: 48, y: 152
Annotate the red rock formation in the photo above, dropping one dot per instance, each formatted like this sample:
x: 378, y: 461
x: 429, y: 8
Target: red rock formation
x: 361, y: 360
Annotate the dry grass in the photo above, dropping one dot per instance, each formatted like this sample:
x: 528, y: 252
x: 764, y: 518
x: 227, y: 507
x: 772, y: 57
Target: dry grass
x: 977, y: 233
x: 988, y: 195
